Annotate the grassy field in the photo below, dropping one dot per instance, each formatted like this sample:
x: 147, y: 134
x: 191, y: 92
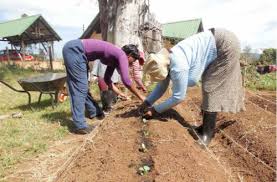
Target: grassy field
x: 22, y: 138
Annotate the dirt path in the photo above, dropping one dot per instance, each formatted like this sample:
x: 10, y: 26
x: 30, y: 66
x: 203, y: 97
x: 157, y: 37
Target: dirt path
x: 243, y: 148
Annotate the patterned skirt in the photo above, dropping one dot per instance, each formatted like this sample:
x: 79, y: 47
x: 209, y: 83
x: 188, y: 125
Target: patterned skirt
x: 222, y: 88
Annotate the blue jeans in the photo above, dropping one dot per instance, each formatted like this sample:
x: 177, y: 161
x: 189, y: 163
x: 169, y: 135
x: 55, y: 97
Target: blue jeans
x: 76, y: 66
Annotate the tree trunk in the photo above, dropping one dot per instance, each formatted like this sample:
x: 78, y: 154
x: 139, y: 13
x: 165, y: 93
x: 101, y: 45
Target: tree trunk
x: 129, y: 22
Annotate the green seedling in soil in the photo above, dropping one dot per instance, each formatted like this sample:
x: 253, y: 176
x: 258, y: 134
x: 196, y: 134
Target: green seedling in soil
x: 146, y: 133
x: 143, y: 148
x: 144, y: 170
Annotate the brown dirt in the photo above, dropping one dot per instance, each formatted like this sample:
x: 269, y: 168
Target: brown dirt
x: 246, y: 140
x: 115, y: 154
x: 243, y: 148
x: 267, y: 101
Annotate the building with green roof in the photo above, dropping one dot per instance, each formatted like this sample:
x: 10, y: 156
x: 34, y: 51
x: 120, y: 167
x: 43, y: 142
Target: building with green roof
x: 28, y: 30
x: 174, y: 32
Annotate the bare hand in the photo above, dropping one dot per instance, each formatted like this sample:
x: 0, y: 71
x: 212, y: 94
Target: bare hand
x: 143, y: 107
x: 143, y: 98
x: 149, y: 113
x: 144, y: 90
x: 123, y: 97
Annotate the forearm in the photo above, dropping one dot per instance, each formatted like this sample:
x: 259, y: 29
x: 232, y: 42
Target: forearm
x: 115, y: 89
x: 169, y: 103
x: 140, y: 84
x: 158, y: 91
x: 138, y: 78
x: 179, y: 83
x: 133, y: 89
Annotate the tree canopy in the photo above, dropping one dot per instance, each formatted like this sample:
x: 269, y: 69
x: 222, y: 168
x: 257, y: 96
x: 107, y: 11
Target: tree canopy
x: 268, y: 56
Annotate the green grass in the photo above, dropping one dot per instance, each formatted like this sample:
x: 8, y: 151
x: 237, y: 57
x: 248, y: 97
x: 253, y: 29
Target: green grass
x: 255, y: 81
x: 23, y: 138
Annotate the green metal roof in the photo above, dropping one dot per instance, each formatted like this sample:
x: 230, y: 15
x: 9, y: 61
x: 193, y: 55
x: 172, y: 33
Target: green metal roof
x: 181, y: 29
x: 16, y: 27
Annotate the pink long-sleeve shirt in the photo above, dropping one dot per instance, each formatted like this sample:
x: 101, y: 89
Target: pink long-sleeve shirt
x: 136, y: 74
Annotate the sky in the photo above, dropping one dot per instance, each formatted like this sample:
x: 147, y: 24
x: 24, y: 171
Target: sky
x: 253, y: 21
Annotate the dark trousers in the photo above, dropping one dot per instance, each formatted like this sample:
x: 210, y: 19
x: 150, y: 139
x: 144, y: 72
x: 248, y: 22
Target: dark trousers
x: 75, y: 62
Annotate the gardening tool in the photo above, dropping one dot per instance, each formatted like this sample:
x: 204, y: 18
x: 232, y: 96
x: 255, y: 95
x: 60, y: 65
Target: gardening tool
x: 49, y: 83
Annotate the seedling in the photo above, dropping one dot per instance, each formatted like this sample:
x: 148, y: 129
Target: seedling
x: 143, y: 148
x: 144, y: 170
x: 146, y: 133
x: 144, y: 120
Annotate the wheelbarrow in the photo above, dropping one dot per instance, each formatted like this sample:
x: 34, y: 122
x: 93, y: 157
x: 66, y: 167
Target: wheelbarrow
x: 49, y: 83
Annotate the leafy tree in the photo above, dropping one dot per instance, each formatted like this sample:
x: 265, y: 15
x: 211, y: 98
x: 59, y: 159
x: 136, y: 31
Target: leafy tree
x: 268, y: 56
x: 246, y: 55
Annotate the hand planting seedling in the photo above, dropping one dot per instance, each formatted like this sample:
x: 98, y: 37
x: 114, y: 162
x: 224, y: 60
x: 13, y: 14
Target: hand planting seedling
x: 144, y: 170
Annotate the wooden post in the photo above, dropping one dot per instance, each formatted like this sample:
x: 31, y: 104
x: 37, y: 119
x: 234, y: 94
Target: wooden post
x: 50, y: 56
x: 243, y: 76
x: 22, y: 50
x: 8, y: 55
x: 53, y: 52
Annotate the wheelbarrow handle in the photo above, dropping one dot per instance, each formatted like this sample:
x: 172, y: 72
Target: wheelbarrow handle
x: 8, y: 85
x: 22, y: 91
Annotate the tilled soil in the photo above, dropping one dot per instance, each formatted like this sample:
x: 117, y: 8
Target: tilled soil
x: 246, y: 141
x: 115, y: 154
x: 243, y: 148
x: 263, y: 100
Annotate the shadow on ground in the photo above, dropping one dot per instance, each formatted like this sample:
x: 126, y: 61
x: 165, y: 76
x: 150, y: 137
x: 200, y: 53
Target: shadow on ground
x: 174, y: 115
x: 62, y: 117
x: 35, y: 105
x: 164, y: 117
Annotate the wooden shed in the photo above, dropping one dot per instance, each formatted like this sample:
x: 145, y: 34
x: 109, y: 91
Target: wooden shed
x: 29, y: 30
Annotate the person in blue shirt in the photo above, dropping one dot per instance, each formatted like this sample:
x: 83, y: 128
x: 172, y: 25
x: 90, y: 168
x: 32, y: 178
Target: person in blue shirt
x: 213, y: 57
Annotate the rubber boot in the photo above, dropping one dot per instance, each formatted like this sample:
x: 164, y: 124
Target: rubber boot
x: 208, y: 127
x: 106, y: 99
x: 195, y: 131
x: 199, y: 129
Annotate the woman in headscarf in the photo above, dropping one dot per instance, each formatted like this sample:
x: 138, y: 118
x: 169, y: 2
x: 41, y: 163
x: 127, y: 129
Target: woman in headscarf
x: 214, y: 56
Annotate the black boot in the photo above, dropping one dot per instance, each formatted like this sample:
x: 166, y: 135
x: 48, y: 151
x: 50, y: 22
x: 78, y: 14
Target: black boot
x: 195, y: 131
x: 106, y: 99
x: 199, y: 130
x: 207, y: 133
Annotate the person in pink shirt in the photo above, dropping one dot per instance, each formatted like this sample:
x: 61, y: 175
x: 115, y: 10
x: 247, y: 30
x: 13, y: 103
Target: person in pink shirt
x: 136, y: 72
x: 108, y: 97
